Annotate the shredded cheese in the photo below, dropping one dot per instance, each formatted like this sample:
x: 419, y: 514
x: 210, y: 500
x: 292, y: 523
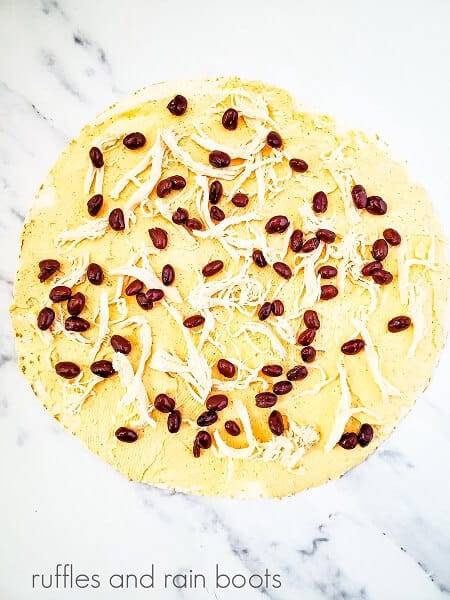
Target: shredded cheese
x: 103, y: 326
x: 91, y: 230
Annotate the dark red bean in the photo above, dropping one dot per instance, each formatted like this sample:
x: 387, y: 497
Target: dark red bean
x: 134, y: 140
x: 95, y: 274
x: 123, y: 434
x: 272, y: 370
x: 310, y: 245
x: 143, y: 301
x: 274, y: 139
x: 277, y: 224
x: 230, y: 119
x: 348, y: 441
x: 120, y: 344
x: 215, y: 192
x: 103, y: 368
x: 365, y: 435
x: 94, y: 204
x: 353, y: 347
x: 168, y: 275
x: 298, y: 372
x: 266, y: 399
x: 164, y: 403
x: 180, y: 216
x: 219, y: 159
x: 276, y: 424
x: 380, y: 250
x: 283, y: 270
x: 134, y: 287
x: 382, y: 277
x: 264, y: 311
x: 76, y: 324
x: 376, y: 205
x: 45, y: 318
x: 178, y: 105
x: 164, y: 187
x: 277, y: 308
x: 311, y: 319
x: 298, y: 165
x: 196, y: 450
x: 226, y: 368
x: 240, y: 200
x: 207, y: 418
x: 67, y: 369
x: 327, y: 292
x: 306, y: 337
x: 399, y: 324
x: 60, y: 293
x: 359, y: 196
x: 154, y: 295
x: 327, y: 272
x: 96, y: 156
x: 280, y: 388
x: 325, y: 235
x: 392, y: 236
x: 296, y: 241
x: 76, y: 304
x: 371, y: 267
x: 194, y: 321
x: 174, y: 421
x: 308, y: 354
x: 203, y: 439
x: 320, y: 202
x: 216, y: 213
x: 158, y: 237
x: 259, y: 258
x: 47, y: 267
x: 217, y: 402
x: 194, y: 224
x: 232, y: 428
x: 117, y: 219
x: 178, y: 182
x: 212, y: 268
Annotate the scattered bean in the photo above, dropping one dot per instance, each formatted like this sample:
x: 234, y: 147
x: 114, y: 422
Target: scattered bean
x: 76, y: 324
x: 232, y: 428
x: 325, y: 235
x: 60, y: 293
x: 47, y: 267
x: 117, y: 219
x: 274, y: 139
x: 217, y: 402
x: 371, y: 267
x: 194, y: 224
x: 277, y: 308
x: 353, y: 347
x: 277, y: 224
x: 194, y: 321
x: 134, y: 140
x: 178, y: 182
x: 259, y: 258
x: 164, y: 403
x: 348, y: 441
x: 67, y: 369
x: 154, y: 295
x: 272, y: 370
x: 212, y: 268
x: 168, y: 275
x: 327, y: 292
x: 143, y: 301
x: 76, y: 304
x: 399, y: 324
x: 280, y: 388
x: 174, y: 421
x: 365, y: 435
x: 320, y: 202
x: 392, y: 236
x: 103, y: 368
x: 240, y: 200
x: 196, y: 450
x: 298, y: 165
x: 382, y: 277
x: 94, y: 204
x: 178, y: 105
x: 380, y: 250
x: 359, y: 196
x: 120, y: 344
x: 282, y: 269
x: 306, y: 337
x: 96, y: 156
x: 164, y: 187
x: 308, y: 354
x: 216, y: 213
x: 180, y: 216
x: 215, y: 192
x: 134, y: 287
x: 95, y: 274
x: 207, y: 418
x: 266, y: 399
x: 123, y: 434
x: 219, y: 159
x: 158, y: 237
x: 311, y: 245
x: 276, y: 424
x: 45, y: 318
x: 230, y: 119
x: 296, y: 241
x: 226, y: 368
x: 264, y: 311
x: 204, y: 440
x: 327, y: 272
x: 298, y: 372
x: 376, y: 205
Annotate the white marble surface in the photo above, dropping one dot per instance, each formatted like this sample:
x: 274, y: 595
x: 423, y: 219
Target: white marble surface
x: 383, y: 530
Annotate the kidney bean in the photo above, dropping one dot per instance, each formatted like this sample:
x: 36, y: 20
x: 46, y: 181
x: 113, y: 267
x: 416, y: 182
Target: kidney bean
x: 320, y: 202
x: 196, y: 450
x: 117, y: 219
x: 212, y: 268
x: 103, y: 368
x: 276, y: 424
x: 310, y: 245
x: 217, y: 402
x: 298, y: 165
x: 399, y: 323
x: 96, y: 156
x: 371, y: 267
x: 216, y: 213
x: 158, y: 237
x: 232, y: 428
x: 353, y: 346
x: 311, y: 319
x: 60, y: 293
x: 94, y: 204
x: 178, y: 105
x: 230, y: 119
x: 154, y: 295
x: 325, y: 235
x: 296, y: 241
x: 194, y: 224
x: 308, y: 354
x: 194, y: 321
x: 382, y: 277
x: 306, y: 337
x: 47, y: 267
x: 45, y: 318
x: 120, y: 344
x: 164, y: 403
x: 143, y: 301
x: 266, y: 399
x: 219, y: 159
x: 327, y: 292
x: 259, y: 258
x: 283, y: 270
x: 168, y: 275
x: 134, y: 140
x: 95, y: 274
x: 178, y: 182
x: 280, y: 388
x: 76, y: 324
x: 174, y: 421
x: 226, y: 368
x: 134, y: 287
x: 207, y: 418
x: 298, y: 372
x: 365, y: 435
x: 203, y: 439
x: 123, y: 434
x: 348, y: 441
x: 76, y: 304
x: 392, y: 236
x: 327, y: 272
x: 180, y: 216
x: 380, y: 250
x: 277, y: 308
x: 274, y: 139
x: 164, y: 187
x: 272, y: 370
x: 277, y: 224
x: 376, y: 205
x: 359, y: 196
x: 67, y: 369
x: 215, y: 192
x: 264, y: 311
x: 240, y: 200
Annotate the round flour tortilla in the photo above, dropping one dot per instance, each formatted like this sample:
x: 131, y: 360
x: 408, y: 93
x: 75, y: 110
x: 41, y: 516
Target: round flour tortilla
x: 340, y: 393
